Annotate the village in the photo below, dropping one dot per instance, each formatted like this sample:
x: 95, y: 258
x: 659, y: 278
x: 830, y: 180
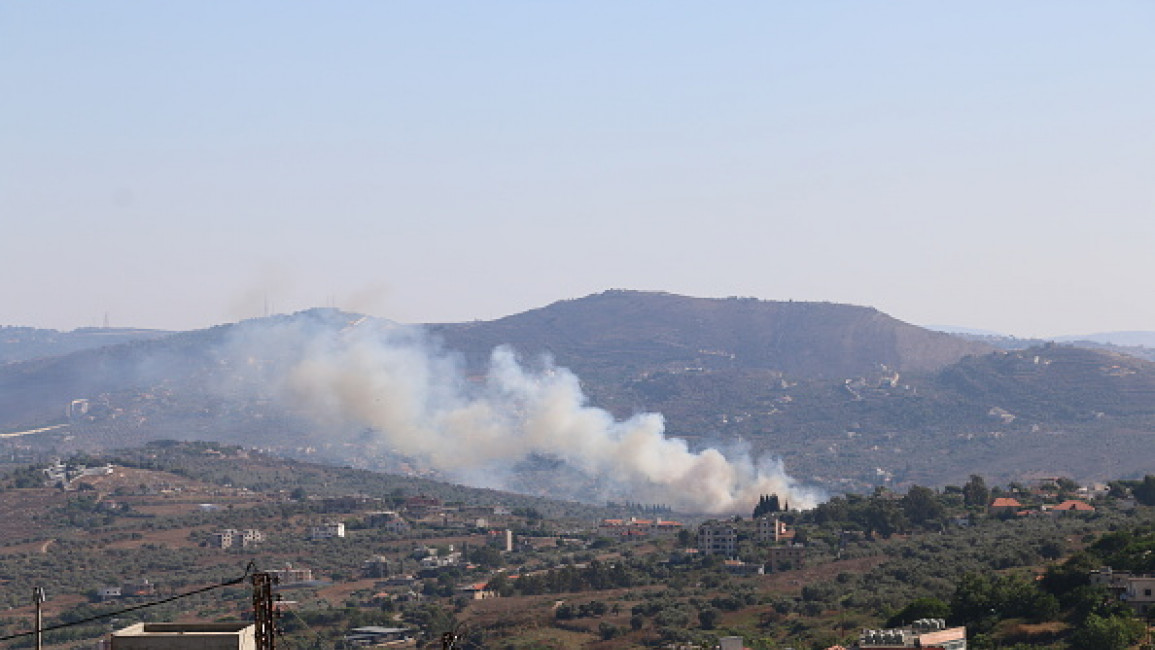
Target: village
x: 380, y: 567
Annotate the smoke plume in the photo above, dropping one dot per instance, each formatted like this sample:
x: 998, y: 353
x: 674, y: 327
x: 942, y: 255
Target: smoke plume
x: 417, y: 401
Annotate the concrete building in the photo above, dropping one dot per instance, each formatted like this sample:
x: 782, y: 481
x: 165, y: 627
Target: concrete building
x: 327, y: 530
x: 186, y: 636
x: 1135, y: 589
x: 1140, y: 594
x: 772, y: 530
x: 784, y: 558
x: 718, y: 538
x: 233, y: 538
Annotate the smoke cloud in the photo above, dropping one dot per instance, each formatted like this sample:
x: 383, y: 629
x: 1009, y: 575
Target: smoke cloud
x: 417, y: 401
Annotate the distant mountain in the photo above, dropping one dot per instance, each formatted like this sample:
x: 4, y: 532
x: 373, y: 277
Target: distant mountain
x: 26, y: 343
x: 623, y: 332
x: 846, y: 396
x: 1118, y: 342
x: 1122, y: 339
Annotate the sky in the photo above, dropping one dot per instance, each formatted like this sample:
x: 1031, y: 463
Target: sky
x: 185, y: 163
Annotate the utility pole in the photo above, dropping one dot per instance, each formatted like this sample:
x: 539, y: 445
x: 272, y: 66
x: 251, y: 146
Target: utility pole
x: 38, y: 600
x: 263, y: 614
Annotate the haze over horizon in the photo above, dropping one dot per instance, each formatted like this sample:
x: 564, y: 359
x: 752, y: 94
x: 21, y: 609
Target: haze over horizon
x: 180, y: 165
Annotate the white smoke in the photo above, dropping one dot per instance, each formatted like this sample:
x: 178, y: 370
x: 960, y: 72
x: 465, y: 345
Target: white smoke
x: 418, y: 401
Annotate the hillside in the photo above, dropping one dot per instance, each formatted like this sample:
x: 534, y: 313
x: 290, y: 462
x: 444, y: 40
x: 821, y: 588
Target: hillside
x: 26, y: 343
x: 617, y: 333
x: 846, y: 396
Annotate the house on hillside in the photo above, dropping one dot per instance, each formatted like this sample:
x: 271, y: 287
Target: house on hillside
x: 377, y: 566
x: 1073, y: 506
x: 926, y: 634
x: 740, y: 568
x: 1135, y: 589
x: 1004, y: 505
x: 634, y: 527
x: 327, y: 530
x: 422, y: 506
x: 772, y: 530
x: 232, y: 538
x: 718, y: 538
x: 476, y: 591
x: 785, y: 558
x: 108, y: 593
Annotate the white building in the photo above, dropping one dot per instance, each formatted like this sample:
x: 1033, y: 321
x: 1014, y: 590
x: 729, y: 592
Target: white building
x: 327, y: 530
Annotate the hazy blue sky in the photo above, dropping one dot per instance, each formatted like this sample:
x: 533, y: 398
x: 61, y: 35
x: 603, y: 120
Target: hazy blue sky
x: 175, y: 164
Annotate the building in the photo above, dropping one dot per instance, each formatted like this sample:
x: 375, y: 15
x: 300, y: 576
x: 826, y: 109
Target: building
x: 289, y: 575
x: 1073, y: 506
x: 926, y: 634
x: 138, y: 588
x: 388, y: 521
x: 785, y: 558
x: 1004, y: 505
x: 186, y: 636
x: 1139, y: 594
x: 1135, y: 589
x: 740, y: 568
x: 772, y: 530
x: 108, y: 593
x: 637, y: 527
x: 423, y: 506
x: 233, y: 538
x: 327, y: 530
x: 476, y: 591
x: 718, y: 538
x: 372, y: 635
x: 377, y: 566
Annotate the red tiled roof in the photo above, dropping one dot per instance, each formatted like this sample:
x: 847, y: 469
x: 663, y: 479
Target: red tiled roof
x: 1075, y: 504
x: 1006, y: 502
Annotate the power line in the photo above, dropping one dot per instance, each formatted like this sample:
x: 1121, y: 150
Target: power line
x: 90, y: 619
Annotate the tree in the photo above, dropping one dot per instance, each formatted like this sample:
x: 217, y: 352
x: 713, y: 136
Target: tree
x: 921, y: 505
x: 1106, y: 633
x: 1145, y: 492
x: 927, y: 607
x: 708, y: 618
x: 975, y: 492
x: 767, y: 505
x: 608, y: 630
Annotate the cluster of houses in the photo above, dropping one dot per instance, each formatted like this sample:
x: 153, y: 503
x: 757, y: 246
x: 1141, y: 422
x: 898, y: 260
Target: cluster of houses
x: 774, y: 537
x: 634, y: 527
x: 1012, y: 506
x: 61, y: 474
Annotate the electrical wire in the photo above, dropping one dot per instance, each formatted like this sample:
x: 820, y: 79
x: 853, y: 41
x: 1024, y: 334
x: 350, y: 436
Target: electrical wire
x: 90, y: 619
